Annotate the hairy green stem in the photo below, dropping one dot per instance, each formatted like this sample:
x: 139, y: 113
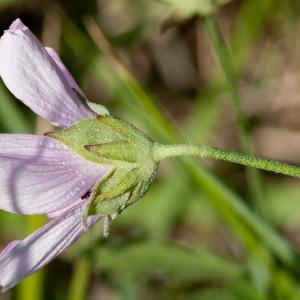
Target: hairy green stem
x: 225, y: 60
x: 161, y: 152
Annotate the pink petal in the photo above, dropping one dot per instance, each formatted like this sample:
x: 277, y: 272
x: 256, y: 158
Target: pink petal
x: 63, y: 210
x: 71, y: 81
x: 96, y: 108
x: 39, y: 174
x: 8, y: 248
x: 33, y: 77
x: 39, y: 248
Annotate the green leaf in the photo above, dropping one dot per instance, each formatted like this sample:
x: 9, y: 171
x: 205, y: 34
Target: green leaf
x: 142, y: 260
x: 11, y: 116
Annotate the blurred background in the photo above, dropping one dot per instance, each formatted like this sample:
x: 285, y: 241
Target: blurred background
x: 206, y: 229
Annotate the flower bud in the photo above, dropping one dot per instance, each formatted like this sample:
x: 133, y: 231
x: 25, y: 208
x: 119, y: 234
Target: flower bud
x: 109, y: 141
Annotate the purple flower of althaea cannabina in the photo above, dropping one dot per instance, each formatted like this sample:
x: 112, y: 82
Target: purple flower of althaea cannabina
x: 39, y: 174
x: 92, y: 167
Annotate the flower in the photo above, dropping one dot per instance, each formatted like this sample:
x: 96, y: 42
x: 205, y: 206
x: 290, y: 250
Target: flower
x: 39, y: 174
x: 92, y: 166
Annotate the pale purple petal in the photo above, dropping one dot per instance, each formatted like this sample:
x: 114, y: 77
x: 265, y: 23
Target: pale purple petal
x: 63, y: 210
x: 39, y: 248
x: 33, y: 77
x: 96, y: 108
x: 8, y: 248
x: 39, y: 174
x: 71, y: 81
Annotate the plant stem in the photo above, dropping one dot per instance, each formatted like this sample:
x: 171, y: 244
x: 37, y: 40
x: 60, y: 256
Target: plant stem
x: 161, y: 152
x: 224, y: 57
x: 33, y: 286
x: 80, y: 279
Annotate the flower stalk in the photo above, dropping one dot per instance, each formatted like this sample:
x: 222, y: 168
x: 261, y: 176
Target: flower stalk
x: 161, y: 152
x: 225, y: 60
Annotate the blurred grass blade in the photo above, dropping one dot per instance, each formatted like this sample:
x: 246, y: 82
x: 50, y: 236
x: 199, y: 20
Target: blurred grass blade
x: 32, y: 287
x: 141, y: 260
x: 249, y: 25
x: 11, y: 116
x: 80, y: 279
x: 225, y: 59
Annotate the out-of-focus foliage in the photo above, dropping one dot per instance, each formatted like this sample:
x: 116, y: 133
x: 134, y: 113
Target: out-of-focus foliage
x: 197, y: 234
x: 4, y: 3
x: 192, y: 7
x: 151, y: 258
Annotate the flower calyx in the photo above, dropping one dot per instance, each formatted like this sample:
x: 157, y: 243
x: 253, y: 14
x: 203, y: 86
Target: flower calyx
x: 127, y: 150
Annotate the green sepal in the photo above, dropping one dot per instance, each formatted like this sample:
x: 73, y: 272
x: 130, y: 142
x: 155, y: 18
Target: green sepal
x: 114, y: 186
x: 109, y: 134
x: 120, y: 150
x: 127, y: 150
x: 98, y: 108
